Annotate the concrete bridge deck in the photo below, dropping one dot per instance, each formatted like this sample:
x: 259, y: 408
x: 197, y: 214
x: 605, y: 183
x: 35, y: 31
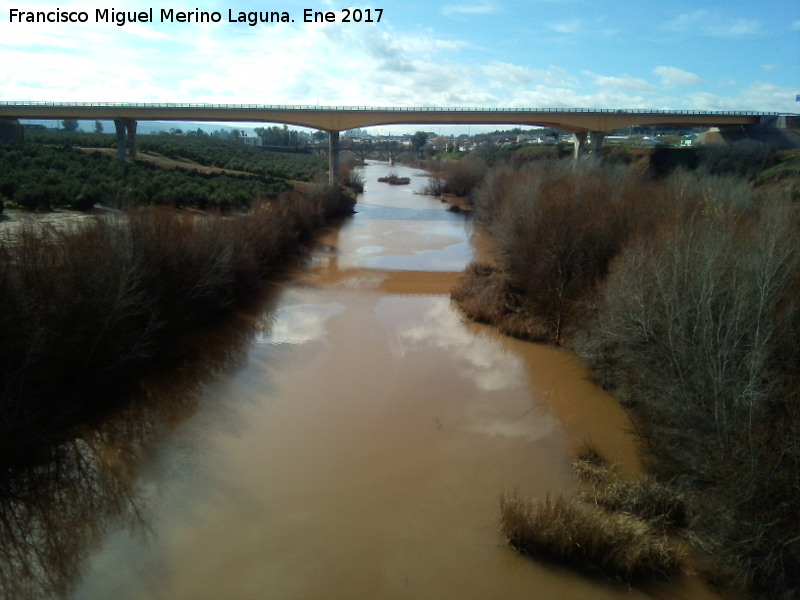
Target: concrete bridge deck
x: 339, y: 118
x: 588, y: 125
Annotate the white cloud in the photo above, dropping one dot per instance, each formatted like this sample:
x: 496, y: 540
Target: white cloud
x: 735, y: 28
x: 622, y: 82
x: 472, y: 9
x: 758, y: 96
x: 685, y: 21
x: 702, y: 22
x: 566, y: 27
x: 504, y: 73
x: 674, y: 77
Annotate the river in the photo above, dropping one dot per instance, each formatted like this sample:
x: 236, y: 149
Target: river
x: 358, y: 446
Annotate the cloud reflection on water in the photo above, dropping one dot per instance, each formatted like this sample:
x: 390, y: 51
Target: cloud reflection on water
x: 299, y: 324
x: 500, y: 403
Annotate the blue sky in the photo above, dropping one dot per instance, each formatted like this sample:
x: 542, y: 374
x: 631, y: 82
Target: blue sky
x: 680, y: 54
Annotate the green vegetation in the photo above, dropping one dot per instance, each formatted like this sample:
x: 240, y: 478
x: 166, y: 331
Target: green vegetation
x: 784, y: 175
x: 680, y: 292
x: 49, y: 170
x: 38, y: 177
x: 202, y: 149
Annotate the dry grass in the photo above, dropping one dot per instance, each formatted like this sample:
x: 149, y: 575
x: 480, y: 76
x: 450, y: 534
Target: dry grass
x: 618, y: 546
x: 644, y: 497
x: 615, y: 528
x: 350, y: 176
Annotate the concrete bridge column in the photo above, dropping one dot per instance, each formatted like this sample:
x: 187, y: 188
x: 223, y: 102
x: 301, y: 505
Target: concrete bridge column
x: 126, y: 128
x: 119, y: 125
x: 596, y: 139
x: 580, y: 145
x: 333, y: 157
x: 130, y: 125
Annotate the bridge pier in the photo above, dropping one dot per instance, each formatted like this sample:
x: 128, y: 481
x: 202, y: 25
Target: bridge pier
x: 594, y: 149
x: 596, y: 139
x: 333, y: 157
x: 126, y: 128
x: 580, y: 145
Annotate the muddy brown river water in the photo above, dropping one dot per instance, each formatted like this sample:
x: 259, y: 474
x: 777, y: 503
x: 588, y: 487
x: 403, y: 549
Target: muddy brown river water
x: 358, y: 451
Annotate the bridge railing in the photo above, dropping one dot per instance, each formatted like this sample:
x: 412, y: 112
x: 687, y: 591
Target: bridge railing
x: 409, y: 109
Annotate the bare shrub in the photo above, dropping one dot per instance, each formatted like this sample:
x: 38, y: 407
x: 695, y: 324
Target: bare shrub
x: 620, y: 547
x: 558, y: 229
x: 483, y: 293
x: 463, y: 176
x: 86, y: 309
x: 434, y: 187
x: 691, y: 332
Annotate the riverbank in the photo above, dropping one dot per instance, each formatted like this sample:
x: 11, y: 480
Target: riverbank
x: 679, y: 294
x: 86, y: 308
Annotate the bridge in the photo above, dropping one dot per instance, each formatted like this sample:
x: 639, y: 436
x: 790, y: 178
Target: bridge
x: 588, y: 125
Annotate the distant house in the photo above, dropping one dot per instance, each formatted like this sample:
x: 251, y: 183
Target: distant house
x: 689, y: 140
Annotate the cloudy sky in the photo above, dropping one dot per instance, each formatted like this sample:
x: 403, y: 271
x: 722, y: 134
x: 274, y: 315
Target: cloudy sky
x: 676, y: 54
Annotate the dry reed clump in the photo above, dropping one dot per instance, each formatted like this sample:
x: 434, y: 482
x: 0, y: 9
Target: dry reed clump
x: 644, y: 496
x: 618, y: 546
x: 351, y: 176
x: 618, y: 529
